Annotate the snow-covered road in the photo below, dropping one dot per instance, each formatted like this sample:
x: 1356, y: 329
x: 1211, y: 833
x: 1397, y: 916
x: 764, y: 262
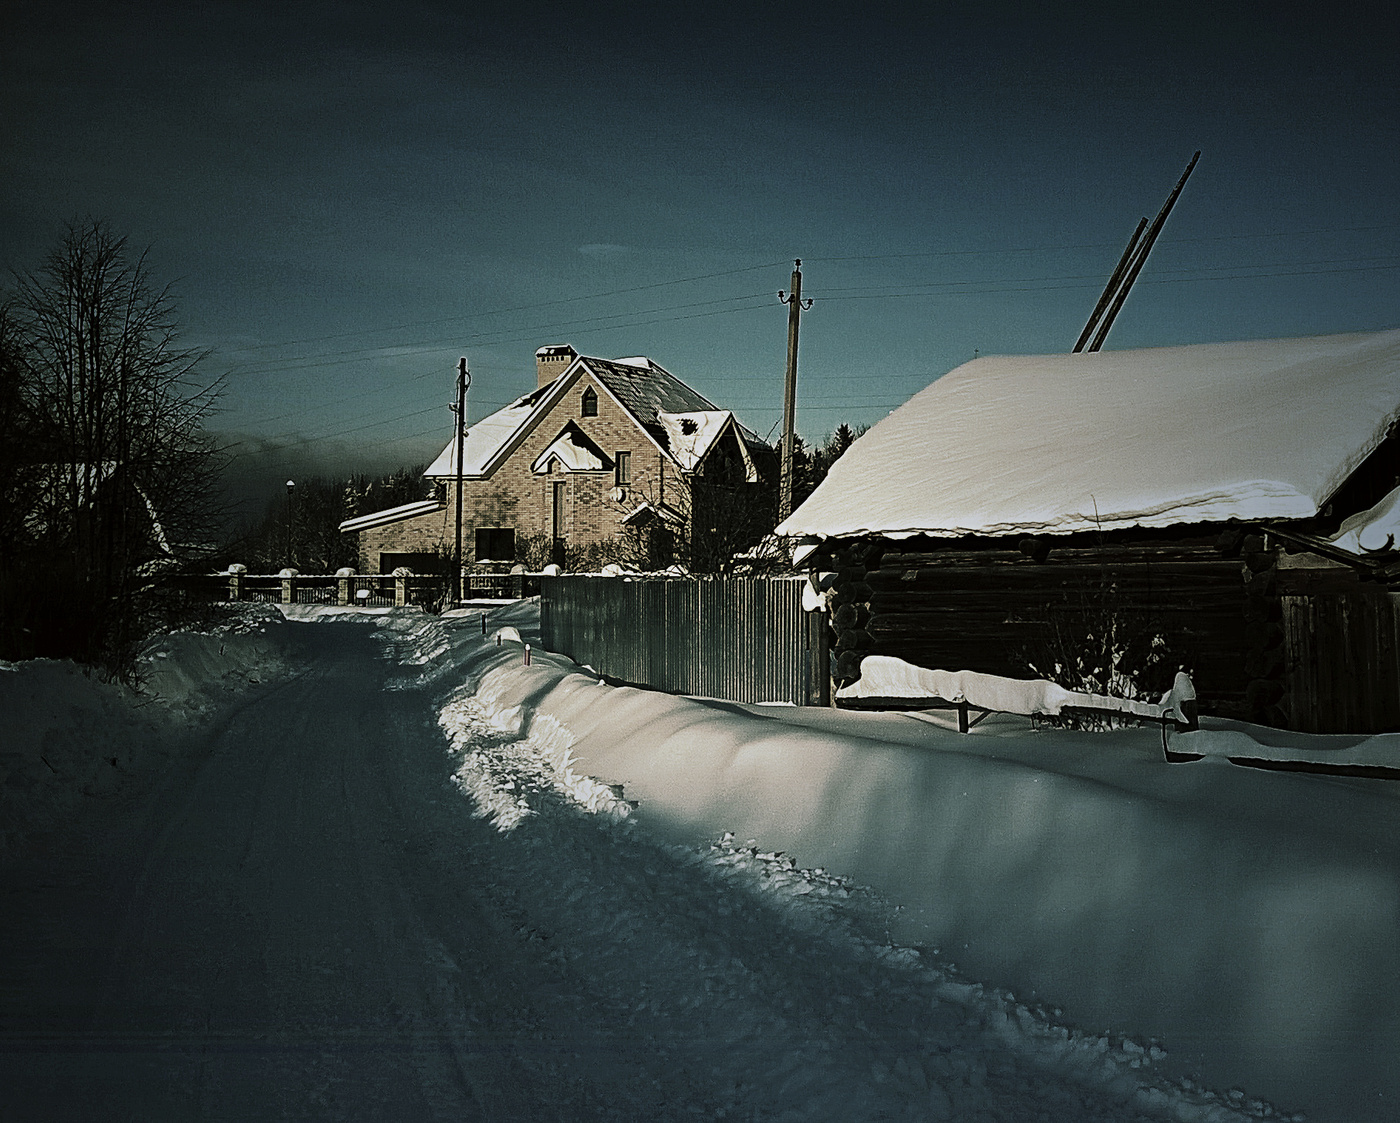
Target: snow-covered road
x: 355, y: 894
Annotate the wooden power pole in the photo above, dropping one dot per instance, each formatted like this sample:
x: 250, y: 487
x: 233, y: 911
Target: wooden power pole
x: 796, y: 306
x: 464, y: 379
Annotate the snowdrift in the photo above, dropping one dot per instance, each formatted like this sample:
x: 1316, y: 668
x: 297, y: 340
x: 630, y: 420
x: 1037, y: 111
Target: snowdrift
x: 1250, y: 920
x: 70, y: 735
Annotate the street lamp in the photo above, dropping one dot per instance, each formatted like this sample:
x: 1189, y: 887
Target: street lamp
x: 291, y: 487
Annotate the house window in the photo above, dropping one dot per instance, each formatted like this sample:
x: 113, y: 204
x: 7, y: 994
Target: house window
x: 589, y: 407
x: 495, y: 543
x: 623, y: 471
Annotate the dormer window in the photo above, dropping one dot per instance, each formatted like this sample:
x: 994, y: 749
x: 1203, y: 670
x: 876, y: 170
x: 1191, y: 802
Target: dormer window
x: 589, y: 406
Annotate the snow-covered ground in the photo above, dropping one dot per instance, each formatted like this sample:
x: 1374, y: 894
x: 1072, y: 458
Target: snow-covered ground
x: 647, y: 906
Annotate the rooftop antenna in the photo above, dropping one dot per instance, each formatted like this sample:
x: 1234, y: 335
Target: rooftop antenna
x: 1129, y: 266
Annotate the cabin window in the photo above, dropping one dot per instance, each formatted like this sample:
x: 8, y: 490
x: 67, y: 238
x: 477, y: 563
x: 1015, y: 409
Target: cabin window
x: 495, y: 543
x: 622, y: 473
x: 589, y: 407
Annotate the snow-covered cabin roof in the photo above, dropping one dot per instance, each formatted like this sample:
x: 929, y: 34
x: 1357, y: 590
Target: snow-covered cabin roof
x: 643, y: 388
x: 1056, y: 444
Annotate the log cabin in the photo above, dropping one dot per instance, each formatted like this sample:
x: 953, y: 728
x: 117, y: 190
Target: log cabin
x: 1107, y: 519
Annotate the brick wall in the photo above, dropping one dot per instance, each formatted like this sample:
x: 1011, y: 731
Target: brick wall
x: 515, y: 497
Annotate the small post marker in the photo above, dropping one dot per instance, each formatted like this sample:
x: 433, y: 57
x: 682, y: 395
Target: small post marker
x: 527, y: 654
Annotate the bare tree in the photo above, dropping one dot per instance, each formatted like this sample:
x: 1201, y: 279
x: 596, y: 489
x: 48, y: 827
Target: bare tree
x: 122, y: 471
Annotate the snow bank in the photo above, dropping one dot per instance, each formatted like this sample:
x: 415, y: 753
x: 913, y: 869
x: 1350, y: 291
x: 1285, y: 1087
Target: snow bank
x: 69, y: 735
x: 607, y: 884
x: 1247, y: 920
x: 1059, y: 444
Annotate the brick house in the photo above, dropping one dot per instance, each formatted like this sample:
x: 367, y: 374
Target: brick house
x: 599, y: 450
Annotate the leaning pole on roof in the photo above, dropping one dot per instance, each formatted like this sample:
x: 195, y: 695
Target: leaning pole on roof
x: 1129, y: 266
x: 464, y: 379
x: 796, y: 306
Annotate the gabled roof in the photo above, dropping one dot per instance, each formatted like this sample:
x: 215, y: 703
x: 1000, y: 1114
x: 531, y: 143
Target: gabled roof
x: 574, y: 452
x: 690, y: 437
x: 1058, y: 444
x: 644, y: 389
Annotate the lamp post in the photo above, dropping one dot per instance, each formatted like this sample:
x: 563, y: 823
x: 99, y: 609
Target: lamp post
x: 291, y: 487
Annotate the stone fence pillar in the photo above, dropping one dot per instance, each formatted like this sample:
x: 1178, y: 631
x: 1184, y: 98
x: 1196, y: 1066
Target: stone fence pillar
x: 344, y: 578
x: 401, y: 576
x: 289, y: 585
x: 235, y: 581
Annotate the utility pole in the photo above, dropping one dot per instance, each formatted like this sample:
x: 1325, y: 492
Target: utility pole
x: 796, y: 306
x: 464, y: 379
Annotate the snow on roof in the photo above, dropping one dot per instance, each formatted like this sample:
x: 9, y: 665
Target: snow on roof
x: 1373, y: 530
x: 1063, y: 443
x: 484, y: 439
x: 689, y: 436
x: 574, y: 452
x: 644, y: 389
x: 391, y: 515
x: 646, y: 511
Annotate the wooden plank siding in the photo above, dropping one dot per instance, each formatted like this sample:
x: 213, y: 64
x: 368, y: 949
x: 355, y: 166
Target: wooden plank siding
x: 991, y: 609
x: 745, y: 639
x: 1342, y: 661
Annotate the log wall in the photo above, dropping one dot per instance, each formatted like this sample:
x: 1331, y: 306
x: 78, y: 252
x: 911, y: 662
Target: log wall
x: 998, y: 610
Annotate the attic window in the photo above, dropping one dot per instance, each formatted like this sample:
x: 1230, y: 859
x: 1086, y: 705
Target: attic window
x: 589, y: 405
x: 688, y: 426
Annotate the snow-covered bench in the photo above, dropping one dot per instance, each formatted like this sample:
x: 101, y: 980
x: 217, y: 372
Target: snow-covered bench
x: 887, y: 679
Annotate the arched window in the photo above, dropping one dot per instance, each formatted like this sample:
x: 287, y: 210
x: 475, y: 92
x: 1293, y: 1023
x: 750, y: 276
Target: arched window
x: 590, y: 403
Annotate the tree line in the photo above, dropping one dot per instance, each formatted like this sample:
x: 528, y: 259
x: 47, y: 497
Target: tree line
x: 302, y: 529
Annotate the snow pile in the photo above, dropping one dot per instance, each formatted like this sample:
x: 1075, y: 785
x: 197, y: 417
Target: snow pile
x: 1248, y: 921
x: 691, y: 943
x: 1060, y: 444
x: 69, y: 735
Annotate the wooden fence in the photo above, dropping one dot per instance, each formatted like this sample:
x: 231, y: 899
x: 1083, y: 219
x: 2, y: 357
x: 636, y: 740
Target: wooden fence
x: 744, y: 639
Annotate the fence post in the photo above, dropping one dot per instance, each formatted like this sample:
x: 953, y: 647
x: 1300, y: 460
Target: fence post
x: 401, y: 576
x: 289, y: 586
x: 343, y: 581
x: 235, y: 581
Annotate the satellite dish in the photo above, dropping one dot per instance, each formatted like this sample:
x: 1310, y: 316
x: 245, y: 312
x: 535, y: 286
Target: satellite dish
x: 618, y: 494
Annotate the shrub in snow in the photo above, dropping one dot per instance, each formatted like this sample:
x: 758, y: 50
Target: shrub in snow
x: 1101, y: 644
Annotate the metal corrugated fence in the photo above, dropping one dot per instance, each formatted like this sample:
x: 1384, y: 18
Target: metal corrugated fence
x: 746, y: 639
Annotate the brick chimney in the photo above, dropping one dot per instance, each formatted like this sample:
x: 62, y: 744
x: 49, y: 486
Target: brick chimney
x: 552, y: 361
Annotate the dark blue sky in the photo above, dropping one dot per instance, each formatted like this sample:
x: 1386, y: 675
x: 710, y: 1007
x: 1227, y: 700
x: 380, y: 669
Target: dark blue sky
x: 350, y: 196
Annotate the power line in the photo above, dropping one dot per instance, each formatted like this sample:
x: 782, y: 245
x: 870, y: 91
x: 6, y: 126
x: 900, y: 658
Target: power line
x: 515, y: 308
